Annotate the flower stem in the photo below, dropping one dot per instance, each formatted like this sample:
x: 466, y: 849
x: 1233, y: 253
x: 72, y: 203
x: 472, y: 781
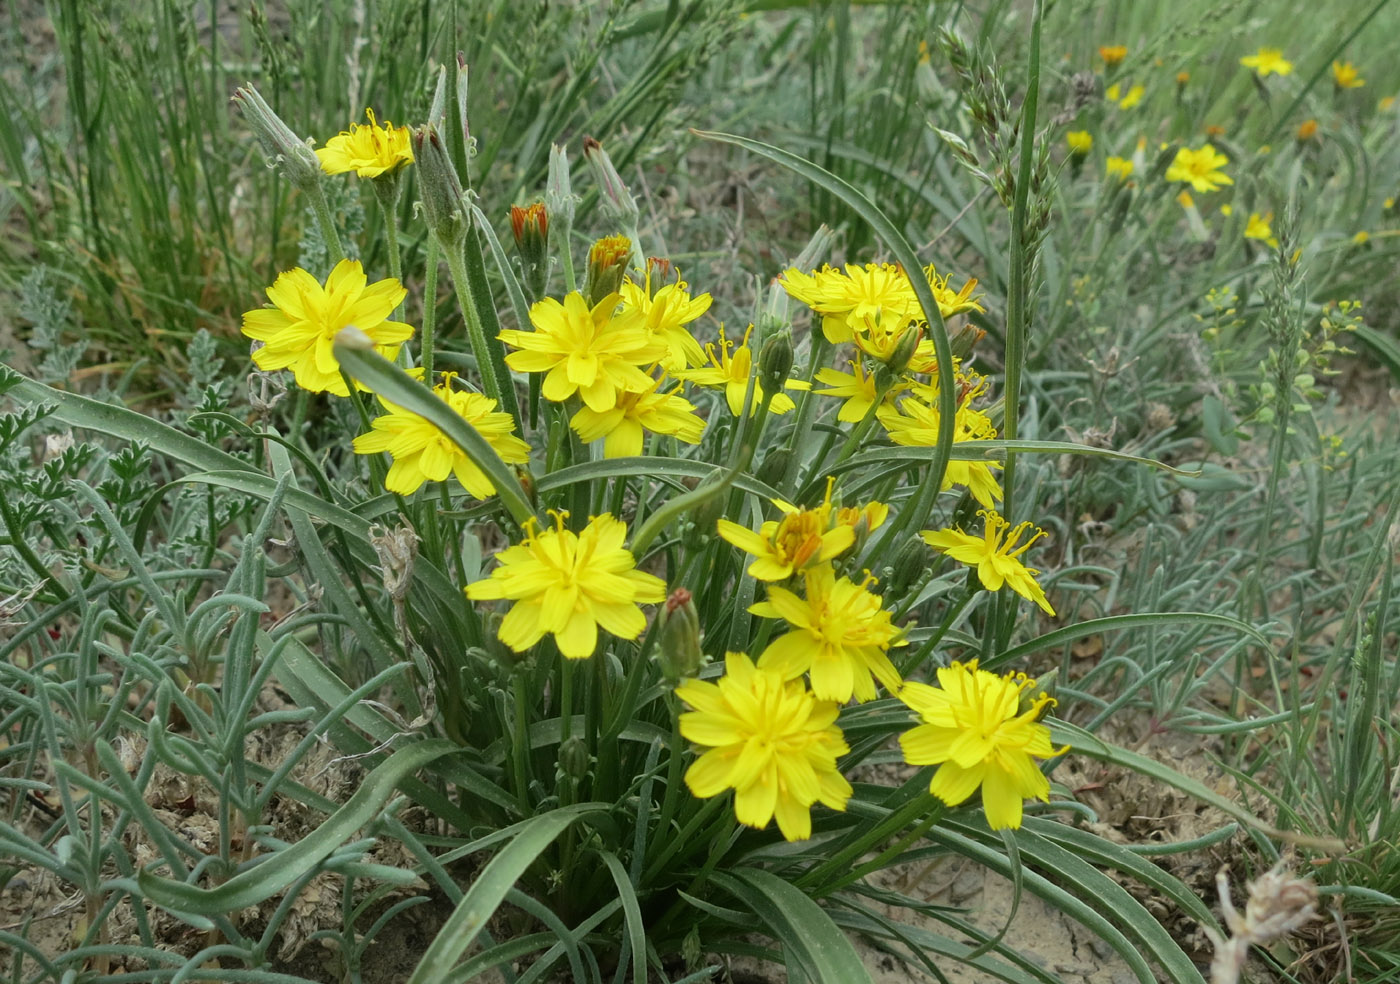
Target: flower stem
x: 323, y: 218
x: 430, y: 278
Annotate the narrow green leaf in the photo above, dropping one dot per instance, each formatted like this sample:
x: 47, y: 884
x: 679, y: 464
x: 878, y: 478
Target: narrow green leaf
x: 1386, y: 348
x: 1109, y: 623
x: 632, y: 918
x: 275, y: 872
x: 398, y: 387
x: 489, y: 890
x: 807, y: 933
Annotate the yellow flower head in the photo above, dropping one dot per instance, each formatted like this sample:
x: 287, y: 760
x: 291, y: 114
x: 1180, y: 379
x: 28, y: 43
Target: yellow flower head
x: 369, y: 150
x: 1080, y: 142
x: 583, y: 351
x: 568, y: 584
x: 950, y: 302
x: 1119, y: 167
x: 1258, y: 228
x: 1132, y: 98
x: 840, y: 632
x: 844, y: 300
x: 298, y: 332
x: 624, y: 425
x: 900, y: 346
x: 1268, y: 61
x: 1112, y: 54
x: 915, y: 424
x: 1306, y: 130
x: 996, y: 554
x: 788, y: 546
x: 769, y: 740
x: 730, y: 369
x: 856, y: 387
x: 1201, y: 169
x: 665, y: 315
x: 975, y: 730
x: 422, y: 453
x: 1345, y: 75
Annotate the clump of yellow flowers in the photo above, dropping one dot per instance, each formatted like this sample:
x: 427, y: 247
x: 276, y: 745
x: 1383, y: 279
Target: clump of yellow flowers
x: 634, y: 483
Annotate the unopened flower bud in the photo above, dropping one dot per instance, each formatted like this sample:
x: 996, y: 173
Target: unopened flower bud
x: 444, y: 202
x: 559, y: 200
x: 775, y: 466
x: 607, y: 265
x: 287, y: 151
x: 614, y: 198
x: 680, y: 655
x: 964, y: 340
x: 659, y: 271
x: 531, y: 228
x: 775, y: 362
x: 911, y: 562
x: 574, y: 760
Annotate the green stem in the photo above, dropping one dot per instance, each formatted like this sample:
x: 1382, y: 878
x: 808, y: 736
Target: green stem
x: 522, y: 743
x: 933, y: 640
x: 430, y: 278
x: 1018, y: 294
x: 323, y: 218
x: 842, y: 859
x: 485, y: 365
x: 386, y: 192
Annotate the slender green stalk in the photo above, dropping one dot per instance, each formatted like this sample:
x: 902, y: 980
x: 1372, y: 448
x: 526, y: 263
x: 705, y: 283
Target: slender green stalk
x: 386, y: 193
x: 430, y: 278
x: 334, y: 250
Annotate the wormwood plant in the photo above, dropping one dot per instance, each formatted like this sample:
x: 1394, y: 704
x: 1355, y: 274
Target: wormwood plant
x: 646, y: 602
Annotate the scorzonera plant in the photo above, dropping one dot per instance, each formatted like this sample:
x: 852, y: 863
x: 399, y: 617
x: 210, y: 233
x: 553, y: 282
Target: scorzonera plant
x: 665, y: 541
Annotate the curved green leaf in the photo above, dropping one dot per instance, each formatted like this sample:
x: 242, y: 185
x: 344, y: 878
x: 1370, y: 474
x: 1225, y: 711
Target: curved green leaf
x: 1108, y: 623
x: 649, y: 465
x: 479, y: 904
x: 809, y: 936
x: 275, y: 872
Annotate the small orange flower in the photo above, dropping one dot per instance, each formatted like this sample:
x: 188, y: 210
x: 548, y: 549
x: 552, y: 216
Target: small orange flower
x: 1112, y: 54
x: 1307, y: 130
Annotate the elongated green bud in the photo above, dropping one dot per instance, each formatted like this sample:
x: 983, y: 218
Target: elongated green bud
x: 288, y: 152
x: 531, y: 228
x: 680, y: 655
x: 614, y: 199
x: 775, y: 362
x: 444, y: 201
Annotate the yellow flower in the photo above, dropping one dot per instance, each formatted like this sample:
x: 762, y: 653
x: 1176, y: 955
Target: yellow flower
x: 634, y: 413
x: 787, y: 546
x: 1306, y: 130
x: 731, y: 370
x: 298, y: 332
x: 1080, y: 142
x: 1361, y: 238
x: 1182, y: 78
x: 568, y: 584
x: 1201, y: 169
x: 369, y: 151
x: 975, y: 731
x: 1133, y: 97
x: 995, y: 554
x: 767, y: 739
x: 1268, y: 61
x: 878, y: 292
x: 915, y: 424
x: 1258, y: 228
x: 887, y: 341
x: 1345, y: 75
x: 1185, y: 200
x: 582, y: 351
x: 844, y: 300
x: 1119, y: 167
x: 856, y: 387
x: 840, y: 632
x: 1385, y: 103
x: 422, y: 453
x: 665, y: 314
x: 1113, y: 54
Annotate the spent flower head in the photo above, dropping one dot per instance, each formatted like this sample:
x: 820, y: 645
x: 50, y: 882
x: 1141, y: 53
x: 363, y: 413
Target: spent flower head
x: 768, y: 739
x: 568, y: 584
x: 423, y: 453
x: 298, y: 332
x: 980, y: 731
x: 370, y: 150
x: 996, y: 555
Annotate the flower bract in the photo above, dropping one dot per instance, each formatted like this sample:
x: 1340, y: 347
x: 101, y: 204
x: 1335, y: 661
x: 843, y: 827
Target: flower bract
x: 298, y: 332
x: 768, y: 739
x: 981, y: 730
x: 569, y: 584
